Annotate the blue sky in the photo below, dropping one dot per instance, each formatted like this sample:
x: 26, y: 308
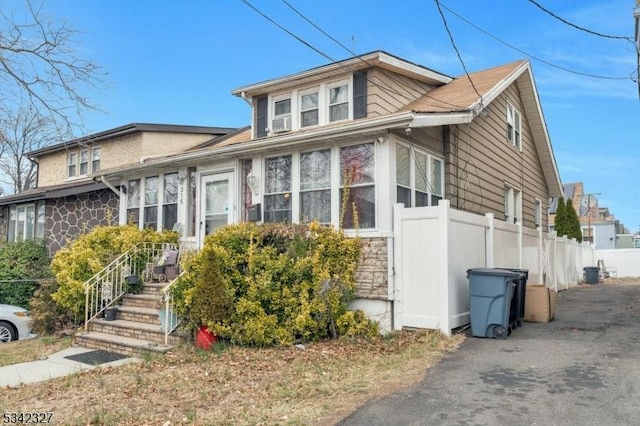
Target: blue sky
x: 177, y: 62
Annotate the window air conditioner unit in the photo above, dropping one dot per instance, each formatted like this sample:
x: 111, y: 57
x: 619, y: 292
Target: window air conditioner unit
x: 281, y: 124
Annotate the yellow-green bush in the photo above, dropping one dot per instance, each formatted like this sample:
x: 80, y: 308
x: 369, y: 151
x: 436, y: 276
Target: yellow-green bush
x: 273, y: 284
x: 89, y: 253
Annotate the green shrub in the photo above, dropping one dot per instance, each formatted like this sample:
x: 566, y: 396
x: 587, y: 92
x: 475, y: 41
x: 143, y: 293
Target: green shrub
x: 273, y: 284
x: 22, y: 261
x: 88, y: 254
x: 47, y: 316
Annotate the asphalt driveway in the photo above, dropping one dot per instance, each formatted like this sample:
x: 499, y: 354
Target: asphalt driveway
x: 582, y: 368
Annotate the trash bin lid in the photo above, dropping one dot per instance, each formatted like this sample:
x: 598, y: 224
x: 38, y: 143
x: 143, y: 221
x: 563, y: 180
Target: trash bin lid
x: 494, y: 272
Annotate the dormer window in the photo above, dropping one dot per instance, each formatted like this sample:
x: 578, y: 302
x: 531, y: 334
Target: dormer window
x: 309, y: 109
x: 339, y: 103
x: 282, y: 115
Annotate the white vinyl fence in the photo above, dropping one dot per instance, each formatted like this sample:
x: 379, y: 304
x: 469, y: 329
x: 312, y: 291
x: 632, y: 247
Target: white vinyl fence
x: 435, y: 246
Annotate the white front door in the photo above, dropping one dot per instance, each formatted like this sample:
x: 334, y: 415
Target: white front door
x: 217, y: 203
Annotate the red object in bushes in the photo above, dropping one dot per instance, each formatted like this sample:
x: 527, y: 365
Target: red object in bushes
x: 205, y: 339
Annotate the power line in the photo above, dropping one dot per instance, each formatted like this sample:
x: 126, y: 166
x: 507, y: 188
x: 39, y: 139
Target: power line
x: 602, y: 77
x: 539, y: 6
x: 453, y: 43
x: 386, y: 89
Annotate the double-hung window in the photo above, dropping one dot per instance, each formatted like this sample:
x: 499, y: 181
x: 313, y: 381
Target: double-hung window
x: 277, y: 193
x: 315, y: 186
x: 150, y: 219
x: 512, y: 205
x: 338, y: 102
x: 170, y: 201
x: 133, y: 201
x: 95, y: 160
x: 537, y: 212
x: 72, y: 159
x: 514, y: 123
x: 155, y: 198
x: 281, y: 115
x: 84, y: 162
x: 357, y: 186
x: 418, y: 177
x: 309, y: 104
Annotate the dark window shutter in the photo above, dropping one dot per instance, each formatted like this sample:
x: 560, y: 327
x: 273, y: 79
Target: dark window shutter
x: 360, y: 94
x: 262, y: 104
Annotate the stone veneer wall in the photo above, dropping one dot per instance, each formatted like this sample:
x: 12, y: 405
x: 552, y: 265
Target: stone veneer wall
x: 372, y: 274
x: 68, y: 217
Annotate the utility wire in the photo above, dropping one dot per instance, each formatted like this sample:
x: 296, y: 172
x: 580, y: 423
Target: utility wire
x: 386, y: 89
x: 453, y: 43
x: 602, y: 77
x: 539, y: 6
x: 287, y: 31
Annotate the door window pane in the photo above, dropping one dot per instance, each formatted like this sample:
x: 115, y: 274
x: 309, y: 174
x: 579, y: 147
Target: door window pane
x: 216, y: 213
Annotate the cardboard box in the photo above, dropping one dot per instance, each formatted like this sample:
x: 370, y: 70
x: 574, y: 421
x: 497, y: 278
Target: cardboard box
x: 540, y: 304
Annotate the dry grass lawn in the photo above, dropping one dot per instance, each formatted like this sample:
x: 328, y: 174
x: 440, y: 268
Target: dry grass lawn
x: 32, y: 349
x: 319, y: 384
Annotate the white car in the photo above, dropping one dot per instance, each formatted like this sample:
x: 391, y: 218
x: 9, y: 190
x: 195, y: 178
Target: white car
x: 15, y: 323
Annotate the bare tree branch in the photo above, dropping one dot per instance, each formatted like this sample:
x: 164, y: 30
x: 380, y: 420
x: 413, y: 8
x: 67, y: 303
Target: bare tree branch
x: 24, y: 131
x: 39, y: 66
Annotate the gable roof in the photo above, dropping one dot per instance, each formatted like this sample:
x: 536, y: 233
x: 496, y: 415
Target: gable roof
x: 129, y: 129
x: 377, y: 58
x: 457, y: 103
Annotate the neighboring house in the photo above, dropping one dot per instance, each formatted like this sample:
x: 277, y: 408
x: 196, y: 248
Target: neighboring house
x: 376, y: 128
x: 598, y: 225
x: 70, y: 197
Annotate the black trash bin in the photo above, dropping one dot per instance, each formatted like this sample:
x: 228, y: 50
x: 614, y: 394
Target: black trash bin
x: 519, y: 294
x: 591, y: 274
x: 490, y: 293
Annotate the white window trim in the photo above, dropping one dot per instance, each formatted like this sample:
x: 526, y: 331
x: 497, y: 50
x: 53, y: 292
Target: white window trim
x: 537, y: 212
x: 512, y: 204
x: 160, y: 202
x: 323, y: 103
x: 512, y: 113
x: 336, y: 185
x: 329, y: 86
x: 413, y: 170
x: 299, y: 111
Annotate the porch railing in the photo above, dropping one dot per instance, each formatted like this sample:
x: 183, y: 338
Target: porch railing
x: 170, y: 320
x: 107, y: 287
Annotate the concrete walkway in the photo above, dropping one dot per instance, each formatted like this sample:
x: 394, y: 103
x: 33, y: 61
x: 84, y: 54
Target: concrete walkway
x: 54, y: 365
x: 583, y: 369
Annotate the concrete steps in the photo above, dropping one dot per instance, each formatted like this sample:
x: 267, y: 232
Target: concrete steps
x: 136, y: 328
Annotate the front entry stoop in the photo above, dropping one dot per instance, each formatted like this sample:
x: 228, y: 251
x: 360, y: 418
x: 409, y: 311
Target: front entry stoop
x: 136, y: 329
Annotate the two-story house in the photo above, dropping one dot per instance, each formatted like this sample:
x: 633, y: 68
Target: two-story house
x: 342, y: 143
x: 70, y: 197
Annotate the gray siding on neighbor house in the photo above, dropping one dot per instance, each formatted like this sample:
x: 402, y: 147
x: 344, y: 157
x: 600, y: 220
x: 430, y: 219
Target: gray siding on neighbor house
x: 481, y: 161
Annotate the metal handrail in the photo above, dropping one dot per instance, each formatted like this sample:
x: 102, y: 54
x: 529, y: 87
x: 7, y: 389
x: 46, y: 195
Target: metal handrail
x: 107, y: 286
x: 171, y: 321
